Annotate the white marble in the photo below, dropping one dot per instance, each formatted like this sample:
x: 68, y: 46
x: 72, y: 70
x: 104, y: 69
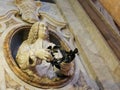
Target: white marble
x: 51, y: 10
x: 2, y: 77
x: 5, y: 67
x: 6, y: 5
x: 83, y: 39
x: 91, y: 44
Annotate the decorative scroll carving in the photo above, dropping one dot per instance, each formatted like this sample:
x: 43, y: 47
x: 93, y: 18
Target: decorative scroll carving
x: 30, y: 74
x: 28, y: 10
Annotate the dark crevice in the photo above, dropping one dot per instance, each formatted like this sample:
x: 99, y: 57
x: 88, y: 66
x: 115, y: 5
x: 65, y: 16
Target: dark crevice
x: 50, y: 1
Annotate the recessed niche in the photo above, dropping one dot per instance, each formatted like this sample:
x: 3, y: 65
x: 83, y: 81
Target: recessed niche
x: 12, y: 42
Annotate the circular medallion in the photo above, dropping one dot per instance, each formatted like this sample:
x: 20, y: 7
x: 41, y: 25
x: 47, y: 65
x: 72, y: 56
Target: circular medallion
x: 11, y: 44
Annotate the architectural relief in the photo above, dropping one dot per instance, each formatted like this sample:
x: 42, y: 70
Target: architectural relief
x: 10, y: 83
x: 38, y: 51
x: 34, y: 51
x: 28, y: 10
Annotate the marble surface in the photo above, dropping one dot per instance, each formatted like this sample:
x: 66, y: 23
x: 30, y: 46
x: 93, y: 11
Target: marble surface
x: 8, y: 22
x: 97, y: 56
x: 96, y: 60
x: 6, y: 6
x: 51, y: 10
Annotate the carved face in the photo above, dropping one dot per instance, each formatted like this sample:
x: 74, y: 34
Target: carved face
x: 43, y: 32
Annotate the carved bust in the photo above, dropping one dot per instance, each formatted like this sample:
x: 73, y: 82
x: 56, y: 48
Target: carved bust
x: 33, y: 53
x: 29, y: 51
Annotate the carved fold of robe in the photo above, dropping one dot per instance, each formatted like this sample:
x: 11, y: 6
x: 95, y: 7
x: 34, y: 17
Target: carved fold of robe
x: 44, y: 68
x: 22, y: 57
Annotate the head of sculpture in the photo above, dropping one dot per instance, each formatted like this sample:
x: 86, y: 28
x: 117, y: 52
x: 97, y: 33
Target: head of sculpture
x: 43, y: 31
x: 38, y: 30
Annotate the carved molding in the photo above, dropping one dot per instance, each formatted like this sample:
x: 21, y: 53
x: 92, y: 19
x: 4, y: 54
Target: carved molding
x: 8, y: 15
x: 19, y: 73
x: 59, y: 30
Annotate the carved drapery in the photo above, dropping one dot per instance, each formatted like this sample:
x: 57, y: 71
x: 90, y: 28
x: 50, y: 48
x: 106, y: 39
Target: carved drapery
x: 13, y: 25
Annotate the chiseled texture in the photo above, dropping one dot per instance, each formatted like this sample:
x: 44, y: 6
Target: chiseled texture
x: 28, y: 10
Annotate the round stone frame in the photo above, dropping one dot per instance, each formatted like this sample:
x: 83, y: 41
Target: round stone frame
x: 18, y: 72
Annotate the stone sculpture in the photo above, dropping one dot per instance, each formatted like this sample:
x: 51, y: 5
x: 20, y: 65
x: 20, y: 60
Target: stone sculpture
x: 28, y: 10
x: 31, y: 68
x: 33, y: 52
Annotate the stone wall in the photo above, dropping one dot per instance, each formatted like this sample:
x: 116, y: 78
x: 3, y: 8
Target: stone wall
x: 97, y: 56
